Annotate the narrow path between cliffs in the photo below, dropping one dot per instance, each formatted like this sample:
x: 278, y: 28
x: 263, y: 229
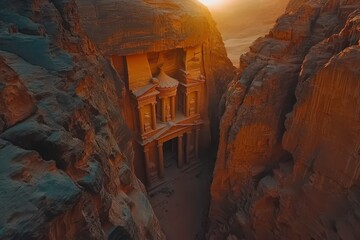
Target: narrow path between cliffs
x: 182, y: 202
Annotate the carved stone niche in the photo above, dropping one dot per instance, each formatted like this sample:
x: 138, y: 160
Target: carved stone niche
x: 143, y: 89
x: 191, y: 85
x: 189, y: 94
x: 167, y: 87
x: 193, y: 63
x: 145, y: 101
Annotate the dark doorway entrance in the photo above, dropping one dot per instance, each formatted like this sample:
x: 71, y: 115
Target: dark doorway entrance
x: 170, y: 153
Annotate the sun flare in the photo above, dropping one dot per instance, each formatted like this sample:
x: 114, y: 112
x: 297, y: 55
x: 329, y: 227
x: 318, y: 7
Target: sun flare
x: 211, y: 3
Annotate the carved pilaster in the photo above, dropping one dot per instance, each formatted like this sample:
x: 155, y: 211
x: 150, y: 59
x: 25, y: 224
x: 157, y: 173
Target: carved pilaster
x: 141, y: 120
x: 161, y: 160
x: 187, y: 107
x: 163, y: 115
x: 147, y: 167
x: 173, y: 107
x: 153, y: 108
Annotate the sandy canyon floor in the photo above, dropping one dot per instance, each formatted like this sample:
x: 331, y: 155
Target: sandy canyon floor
x: 182, y: 202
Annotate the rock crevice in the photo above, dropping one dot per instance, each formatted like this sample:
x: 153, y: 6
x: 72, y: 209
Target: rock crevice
x: 288, y: 135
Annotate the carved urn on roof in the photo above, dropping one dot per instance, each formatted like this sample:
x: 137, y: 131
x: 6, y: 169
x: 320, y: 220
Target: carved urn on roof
x: 167, y: 86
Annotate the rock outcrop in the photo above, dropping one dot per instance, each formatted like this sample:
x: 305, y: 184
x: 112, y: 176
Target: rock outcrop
x: 288, y: 157
x: 66, y: 169
x: 66, y: 154
x: 120, y: 27
x: 242, y: 22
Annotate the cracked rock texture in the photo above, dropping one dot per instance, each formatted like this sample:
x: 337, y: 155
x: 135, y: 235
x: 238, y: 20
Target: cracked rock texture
x: 288, y: 159
x: 65, y: 151
x: 122, y: 27
x: 66, y: 156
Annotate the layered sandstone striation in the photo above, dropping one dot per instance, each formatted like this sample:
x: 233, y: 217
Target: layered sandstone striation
x: 66, y: 154
x: 65, y: 151
x: 288, y: 157
x: 122, y: 28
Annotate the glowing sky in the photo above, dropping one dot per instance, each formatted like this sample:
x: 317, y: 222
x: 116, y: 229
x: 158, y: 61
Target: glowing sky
x: 215, y: 3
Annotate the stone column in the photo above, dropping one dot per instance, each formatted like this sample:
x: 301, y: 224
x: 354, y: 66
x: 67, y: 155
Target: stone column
x: 161, y: 159
x: 163, y: 117
x: 141, y: 120
x: 187, y: 105
x: 197, y: 134
x: 147, y: 167
x: 188, y: 145
x: 153, y: 117
x: 180, y: 151
x: 173, y: 109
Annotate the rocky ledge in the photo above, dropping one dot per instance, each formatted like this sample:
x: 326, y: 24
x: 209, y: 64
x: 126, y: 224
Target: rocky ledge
x: 288, y: 157
x: 66, y: 156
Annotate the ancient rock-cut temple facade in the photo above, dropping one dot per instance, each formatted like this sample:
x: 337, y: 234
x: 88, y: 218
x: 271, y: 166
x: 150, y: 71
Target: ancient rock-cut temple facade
x: 165, y: 92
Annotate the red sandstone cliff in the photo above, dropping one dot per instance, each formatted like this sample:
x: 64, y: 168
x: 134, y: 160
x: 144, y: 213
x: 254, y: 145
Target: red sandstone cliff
x: 65, y: 150
x: 287, y: 164
x: 122, y: 27
x: 242, y: 22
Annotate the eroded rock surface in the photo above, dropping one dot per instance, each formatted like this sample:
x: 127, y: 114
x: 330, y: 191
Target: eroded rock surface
x: 121, y: 27
x: 65, y: 151
x: 66, y: 155
x: 288, y: 159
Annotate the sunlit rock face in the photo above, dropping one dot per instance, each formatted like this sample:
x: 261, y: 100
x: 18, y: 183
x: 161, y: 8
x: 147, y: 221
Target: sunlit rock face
x: 137, y: 36
x: 66, y: 168
x: 288, y: 159
x: 150, y: 30
x: 242, y: 22
x: 66, y: 154
x: 121, y: 28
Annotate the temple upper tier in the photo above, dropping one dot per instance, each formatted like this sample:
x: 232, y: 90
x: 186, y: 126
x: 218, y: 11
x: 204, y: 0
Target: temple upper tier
x: 164, y: 91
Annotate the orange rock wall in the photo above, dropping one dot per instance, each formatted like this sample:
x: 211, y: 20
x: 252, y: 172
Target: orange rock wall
x: 66, y: 169
x: 65, y: 151
x: 288, y: 152
x: 133, y: 27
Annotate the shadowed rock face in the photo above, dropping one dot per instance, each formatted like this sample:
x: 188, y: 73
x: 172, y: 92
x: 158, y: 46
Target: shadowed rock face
x: 121, y: 27
x: 288, y: 158
x: 66, y: 154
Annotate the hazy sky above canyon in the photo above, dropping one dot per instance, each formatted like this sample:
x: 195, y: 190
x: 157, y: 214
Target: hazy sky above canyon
x: 243, y: 21
x: 218, y: 3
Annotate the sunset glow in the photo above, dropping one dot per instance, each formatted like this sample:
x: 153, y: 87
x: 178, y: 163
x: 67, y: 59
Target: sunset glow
x: 212, y: 3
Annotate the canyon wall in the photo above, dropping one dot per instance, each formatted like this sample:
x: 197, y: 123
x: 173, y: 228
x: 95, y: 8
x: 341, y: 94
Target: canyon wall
x: 242, y: 22
x: 121, y: 27
x: 66, y: 155
x: 288, y: 159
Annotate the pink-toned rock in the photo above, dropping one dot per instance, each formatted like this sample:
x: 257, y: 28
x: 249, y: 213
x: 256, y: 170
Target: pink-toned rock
x: 66, y: 154
x: 65, y: 150
x: 271, y: 185
x: 141, y: 26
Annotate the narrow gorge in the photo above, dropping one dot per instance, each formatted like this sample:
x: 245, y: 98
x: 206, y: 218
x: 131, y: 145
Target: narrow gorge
x: 126, y: 120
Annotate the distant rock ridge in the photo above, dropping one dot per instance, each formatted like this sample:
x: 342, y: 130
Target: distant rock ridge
x: 287, y: 165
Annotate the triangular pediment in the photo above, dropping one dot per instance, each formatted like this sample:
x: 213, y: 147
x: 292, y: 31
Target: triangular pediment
x: 145, y: 91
